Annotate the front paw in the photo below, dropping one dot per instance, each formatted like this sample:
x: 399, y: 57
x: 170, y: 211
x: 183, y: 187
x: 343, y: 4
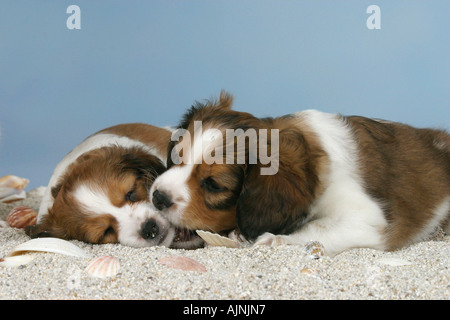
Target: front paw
x: 269, y: 239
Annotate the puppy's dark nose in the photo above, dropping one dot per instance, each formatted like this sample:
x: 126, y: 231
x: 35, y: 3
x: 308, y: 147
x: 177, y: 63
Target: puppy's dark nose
x: 149, y: 229
x: 161, y: 200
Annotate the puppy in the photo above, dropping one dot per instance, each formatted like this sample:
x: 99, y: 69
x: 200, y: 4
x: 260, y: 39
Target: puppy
x: 99, y: 192
x: 344, y: 181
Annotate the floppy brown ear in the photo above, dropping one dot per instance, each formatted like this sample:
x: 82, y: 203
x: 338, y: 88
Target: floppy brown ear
x: 269, y: 204
x: 278, y: 203
x: 47, y: 227
x: 41, y: 230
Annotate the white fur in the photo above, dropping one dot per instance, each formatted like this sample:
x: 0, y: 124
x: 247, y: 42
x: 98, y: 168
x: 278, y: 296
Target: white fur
x: 439, y: 215
x: 93, y: 142
x: 130, y: 217
x: 344, y: 216
x: 174, y: 183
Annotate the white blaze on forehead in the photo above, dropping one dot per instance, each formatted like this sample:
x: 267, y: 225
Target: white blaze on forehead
x: 94, y: 200
x: 199, y: 147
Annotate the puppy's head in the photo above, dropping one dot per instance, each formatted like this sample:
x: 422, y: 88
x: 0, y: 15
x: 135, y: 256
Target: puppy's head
x: 201, y: 192
x: 103, y: 198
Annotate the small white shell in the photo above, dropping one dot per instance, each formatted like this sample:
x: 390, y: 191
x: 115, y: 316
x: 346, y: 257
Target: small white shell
x: 16, y: 260
x: 310, y: 272
x: 12, y: 188
x: 103, y: 267
x: 395, y: 262
x: 314, y: 249
x: 214, y: 239
x: 49, y: 245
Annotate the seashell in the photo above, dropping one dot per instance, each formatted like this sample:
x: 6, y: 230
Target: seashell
x: 394, y: 262
x: 12, y: 188
x: 183, y: 263
x: 314, y: 249
x: 214, y: 239
x: 103, y: 267
x: 237, y: 236
x: 22, y: 216
x: 310, y: 272
x: 54, y: 245
x: 16, y: 260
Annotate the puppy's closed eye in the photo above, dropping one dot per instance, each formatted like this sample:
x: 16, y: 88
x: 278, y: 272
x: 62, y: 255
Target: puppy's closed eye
x: 210, y: 185
x: 109, y: 231
x: 131, y: 196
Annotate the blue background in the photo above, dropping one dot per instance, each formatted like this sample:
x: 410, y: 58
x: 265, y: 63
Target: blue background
x: 136, y: 61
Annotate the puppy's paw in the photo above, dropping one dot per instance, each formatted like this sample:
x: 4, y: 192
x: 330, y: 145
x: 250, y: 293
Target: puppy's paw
x: 269, y: 239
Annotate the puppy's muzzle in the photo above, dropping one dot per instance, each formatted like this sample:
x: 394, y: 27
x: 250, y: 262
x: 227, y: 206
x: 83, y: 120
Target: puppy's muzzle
x: 161, y: 200
x: 149, y: 229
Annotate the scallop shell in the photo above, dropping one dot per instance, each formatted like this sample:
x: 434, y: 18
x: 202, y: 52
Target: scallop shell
x: 183, y: 263
x: 12, y: 188
x: 16, y: 260
x: 22, y: 216
x: 103, y: 267
x: 310, y: 272
x: 214, y: 239
x: 49, y: 245
x: 314, y: 249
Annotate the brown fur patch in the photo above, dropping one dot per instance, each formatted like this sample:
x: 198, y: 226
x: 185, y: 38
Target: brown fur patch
x: 405, y: 171
x: 147, y: 134
x: 214, y: 211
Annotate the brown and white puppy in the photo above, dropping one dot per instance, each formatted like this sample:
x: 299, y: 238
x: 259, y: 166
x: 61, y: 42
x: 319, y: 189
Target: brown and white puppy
x: 344, y: 181
x: 99, y: 192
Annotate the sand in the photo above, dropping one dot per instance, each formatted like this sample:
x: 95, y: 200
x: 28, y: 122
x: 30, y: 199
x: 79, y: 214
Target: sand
x: 421, y: 271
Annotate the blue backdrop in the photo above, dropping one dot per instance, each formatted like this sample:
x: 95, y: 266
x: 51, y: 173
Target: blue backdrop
x: 147, y: 61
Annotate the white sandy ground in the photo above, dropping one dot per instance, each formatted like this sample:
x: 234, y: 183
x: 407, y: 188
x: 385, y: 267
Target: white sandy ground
x: 258, y: 272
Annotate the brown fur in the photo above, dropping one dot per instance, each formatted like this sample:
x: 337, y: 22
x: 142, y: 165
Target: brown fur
x: 212, y: 211
x: 403, y: 168
x: 279, y: 203
x: 144, y: 133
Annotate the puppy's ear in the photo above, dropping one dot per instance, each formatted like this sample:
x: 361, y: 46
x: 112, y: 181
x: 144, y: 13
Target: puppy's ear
x: 141, y: 163
x: 269, y: 204
x: 278, y: 203
x: 41, y: 230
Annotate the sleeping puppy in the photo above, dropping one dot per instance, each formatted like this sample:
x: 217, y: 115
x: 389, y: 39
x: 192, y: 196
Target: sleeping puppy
x: 344, y: 181
x: 99, y: 192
